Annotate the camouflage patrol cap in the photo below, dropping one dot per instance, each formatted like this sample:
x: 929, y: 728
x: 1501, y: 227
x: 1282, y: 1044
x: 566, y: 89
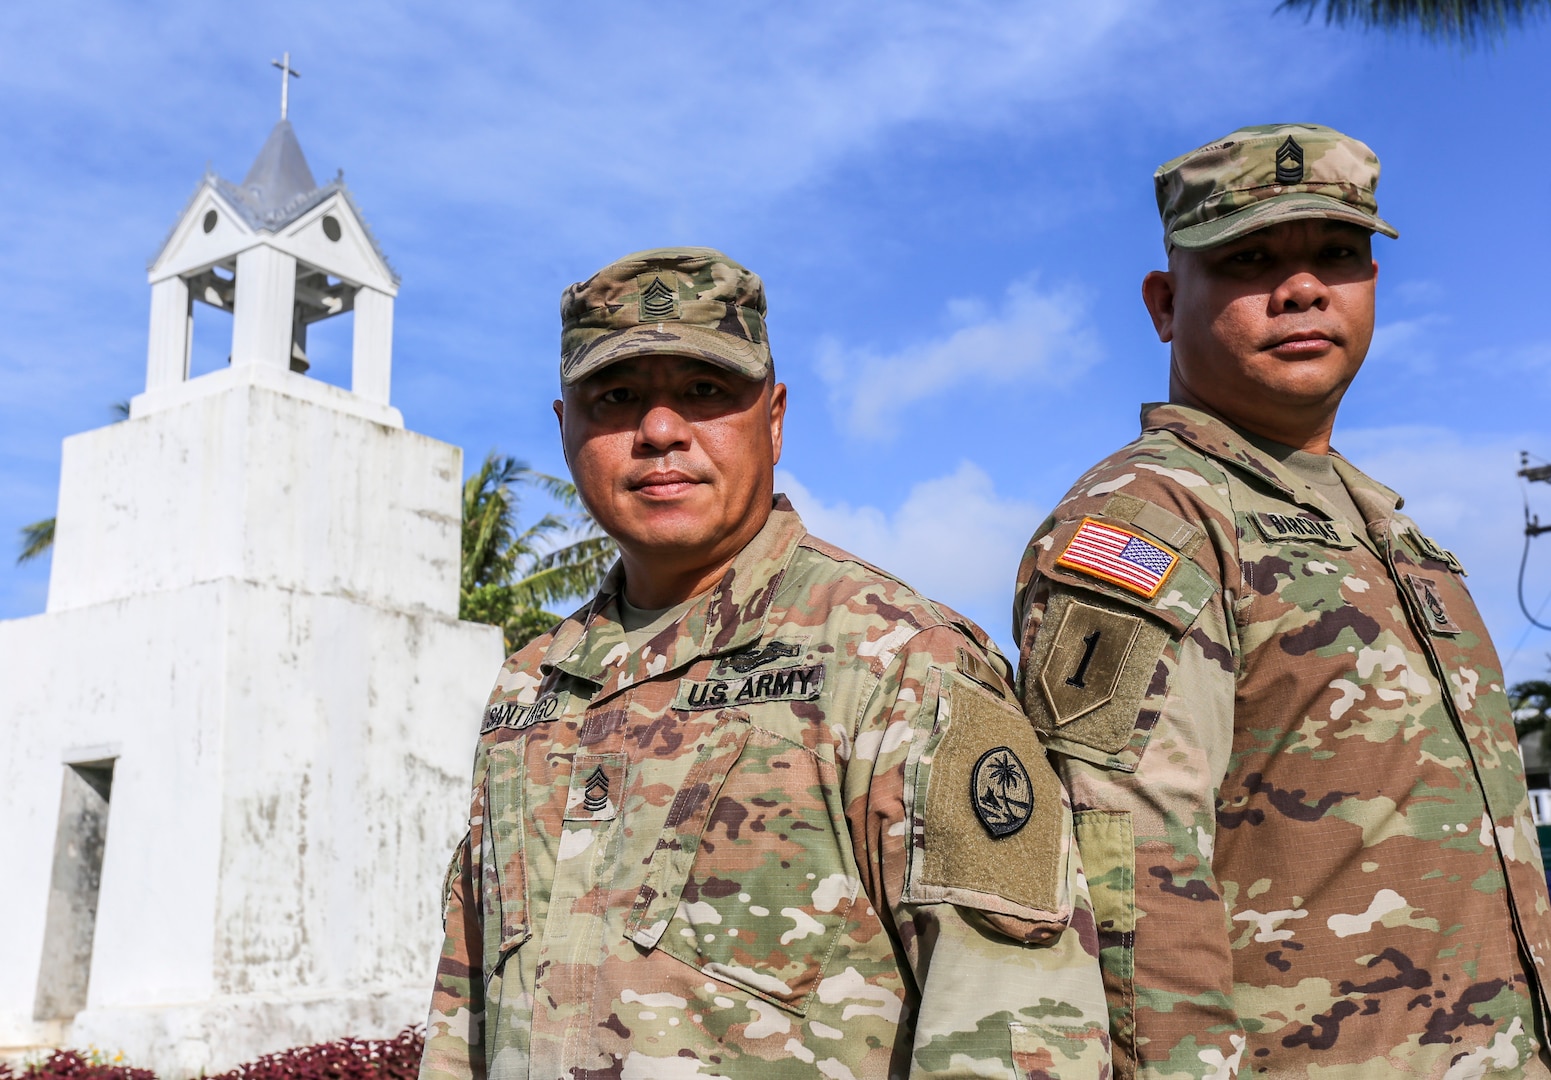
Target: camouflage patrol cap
x: 1260, y: 176
x: 685, y: 301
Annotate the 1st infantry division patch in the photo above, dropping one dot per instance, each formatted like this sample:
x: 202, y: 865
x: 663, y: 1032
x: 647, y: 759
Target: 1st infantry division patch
x: 1118, y: 556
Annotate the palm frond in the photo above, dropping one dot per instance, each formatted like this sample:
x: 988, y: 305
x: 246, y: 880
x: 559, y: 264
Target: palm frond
x: 562, y: 491
x: 1467, y: 21
x: 1531, y: 705
x: 37, y: 538
x: 489, y: 521
x: 511, y: 576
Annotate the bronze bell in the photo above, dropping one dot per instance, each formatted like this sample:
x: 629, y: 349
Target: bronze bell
x: 299, y: 362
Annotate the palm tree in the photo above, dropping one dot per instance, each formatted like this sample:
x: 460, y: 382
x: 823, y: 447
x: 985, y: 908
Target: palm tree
x: 1465, y: 20
x: 1531, y: 702
x: 510, y: 578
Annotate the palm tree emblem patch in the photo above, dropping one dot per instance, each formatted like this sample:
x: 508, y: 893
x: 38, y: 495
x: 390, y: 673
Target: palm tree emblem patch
x: 1001, y: 792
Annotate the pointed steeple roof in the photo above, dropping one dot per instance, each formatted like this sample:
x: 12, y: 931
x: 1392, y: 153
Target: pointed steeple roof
x: 278, y: 190
x: 279, y: 175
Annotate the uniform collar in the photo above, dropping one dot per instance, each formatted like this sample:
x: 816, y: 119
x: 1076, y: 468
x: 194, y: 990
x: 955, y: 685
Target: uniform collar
x: 1218, y: 439
x: 733, y: 613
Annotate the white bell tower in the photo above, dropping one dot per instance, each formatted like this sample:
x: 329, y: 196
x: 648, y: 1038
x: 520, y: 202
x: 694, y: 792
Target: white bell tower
x: 234, y: 749
x: 280, y: 252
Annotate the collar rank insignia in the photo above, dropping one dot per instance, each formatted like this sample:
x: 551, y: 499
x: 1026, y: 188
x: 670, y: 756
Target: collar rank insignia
x: 1425, y: 589
x: 1289, y: 162
x: 659, y: 301
x: 596, y: 794
x: 1001, y: 792
x: 1118, y: 556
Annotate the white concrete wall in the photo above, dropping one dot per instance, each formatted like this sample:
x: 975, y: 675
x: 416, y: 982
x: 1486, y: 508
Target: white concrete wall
x: 253, y: 611
x: 253, y: 484
x: 291, y: 774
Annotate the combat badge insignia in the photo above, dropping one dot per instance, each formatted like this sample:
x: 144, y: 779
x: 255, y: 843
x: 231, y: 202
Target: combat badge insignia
x: 749, y: 659
x: 1433, y: 612
x: 1289, y: 162
x: 1118, y: 556
x: 659, y: 300
x: 1001, y: 792
x: 1428, y: 549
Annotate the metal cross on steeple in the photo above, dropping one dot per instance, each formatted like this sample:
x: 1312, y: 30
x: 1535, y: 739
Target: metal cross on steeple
x: 287, y: 73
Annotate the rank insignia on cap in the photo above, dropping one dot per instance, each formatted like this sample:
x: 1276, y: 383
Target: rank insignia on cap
x: 1001, y: 792
x: 1289, y: 162
x: 659, y: 300
x: 1119, y: 557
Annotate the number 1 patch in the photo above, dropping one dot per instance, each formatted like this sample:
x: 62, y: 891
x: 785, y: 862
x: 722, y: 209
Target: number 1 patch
x: 1083, y: 666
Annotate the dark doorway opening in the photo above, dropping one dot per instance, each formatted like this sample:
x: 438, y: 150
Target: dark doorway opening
x: 79, y: 842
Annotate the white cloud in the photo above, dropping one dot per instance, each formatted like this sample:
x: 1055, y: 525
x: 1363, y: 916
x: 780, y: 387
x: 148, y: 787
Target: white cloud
x: 1461, y: 489
x: 1035, y: 337
x: 1420, y: 292
x: 953, y: 538
x: 1406, y: 342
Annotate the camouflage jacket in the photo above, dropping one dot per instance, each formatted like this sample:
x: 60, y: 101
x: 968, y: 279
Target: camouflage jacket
x: 752, y: 848
x: 1293, y: 769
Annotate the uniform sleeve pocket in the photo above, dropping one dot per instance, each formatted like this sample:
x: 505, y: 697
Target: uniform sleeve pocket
x: 748, y: 882
x: 450, y: 878
x: 1108, y: 847
x: 1047, y: 1052
x: 503, y: 869
x: 991, y: 828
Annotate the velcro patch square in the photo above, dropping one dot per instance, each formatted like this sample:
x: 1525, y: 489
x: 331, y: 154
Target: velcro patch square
x: 1118, y: 556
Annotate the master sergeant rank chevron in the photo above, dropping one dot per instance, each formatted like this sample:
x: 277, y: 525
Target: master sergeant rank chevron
x: 1119, y: 557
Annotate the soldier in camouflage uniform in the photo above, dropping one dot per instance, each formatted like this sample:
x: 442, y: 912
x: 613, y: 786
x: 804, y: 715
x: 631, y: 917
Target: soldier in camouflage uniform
x: 757, y: 809
x: 1295, y: 782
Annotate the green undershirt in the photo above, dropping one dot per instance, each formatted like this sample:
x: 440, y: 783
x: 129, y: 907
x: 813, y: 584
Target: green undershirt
x: 643, y: 624
x: 1316, y: 470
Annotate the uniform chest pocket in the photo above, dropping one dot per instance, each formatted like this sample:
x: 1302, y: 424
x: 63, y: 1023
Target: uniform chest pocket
x: 749, y: 882
x: 503, y: 871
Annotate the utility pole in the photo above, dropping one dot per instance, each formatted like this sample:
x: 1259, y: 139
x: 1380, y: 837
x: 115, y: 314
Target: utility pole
x: 1533, y: 473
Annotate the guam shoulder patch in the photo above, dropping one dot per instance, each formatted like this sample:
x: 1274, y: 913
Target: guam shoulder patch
x: 1001, y: 791
x: 992, y: 830
x: 1118, y: 556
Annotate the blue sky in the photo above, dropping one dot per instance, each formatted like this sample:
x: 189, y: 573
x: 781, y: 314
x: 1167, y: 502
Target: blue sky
x: 950, y: 203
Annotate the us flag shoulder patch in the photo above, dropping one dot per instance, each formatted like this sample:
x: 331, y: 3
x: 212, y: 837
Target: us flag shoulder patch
x: 1119, y: 557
